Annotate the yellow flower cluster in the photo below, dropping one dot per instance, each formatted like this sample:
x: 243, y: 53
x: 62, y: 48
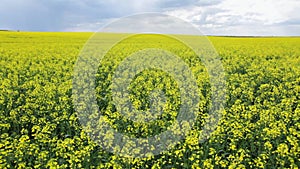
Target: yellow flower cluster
x: 40, y: 128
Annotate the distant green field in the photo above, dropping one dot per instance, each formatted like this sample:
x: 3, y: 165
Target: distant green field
x: 40, y: 128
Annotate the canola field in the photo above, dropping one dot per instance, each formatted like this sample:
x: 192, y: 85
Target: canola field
x: 39, y: 125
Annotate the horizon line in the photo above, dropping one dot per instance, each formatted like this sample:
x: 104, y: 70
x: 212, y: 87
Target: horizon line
x: 210, y: 35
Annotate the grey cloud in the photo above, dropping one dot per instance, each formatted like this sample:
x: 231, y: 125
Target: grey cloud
x: 30, y: 15
x: 151, y: 22
x: 291, y: 22
x: 56, y: 15
x: 182, y: 3
x: 83, y: 15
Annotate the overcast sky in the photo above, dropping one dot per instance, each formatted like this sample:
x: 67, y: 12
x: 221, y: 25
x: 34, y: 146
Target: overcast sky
x: 215, y: 17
